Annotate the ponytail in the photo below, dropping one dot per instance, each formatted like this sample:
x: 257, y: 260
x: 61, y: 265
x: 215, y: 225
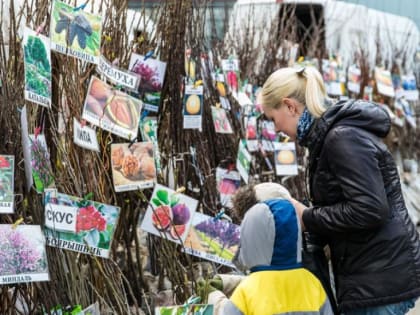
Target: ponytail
x: 315, y: 92
x: 305, y: 85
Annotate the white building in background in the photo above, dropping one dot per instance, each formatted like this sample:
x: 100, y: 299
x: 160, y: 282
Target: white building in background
x: 349, y: 28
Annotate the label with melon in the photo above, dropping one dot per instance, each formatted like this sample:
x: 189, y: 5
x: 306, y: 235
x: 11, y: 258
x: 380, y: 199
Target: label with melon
x: 193, y: 104
x: 285, y: 158
x: 169, y: 214
x: 112, y: 110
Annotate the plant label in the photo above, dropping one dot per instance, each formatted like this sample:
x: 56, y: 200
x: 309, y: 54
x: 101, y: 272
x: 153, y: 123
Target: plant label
x: 23, y: 257
x: 112, y: 110
x: 26, y: 145
x: 214, y: 240
x: 84, y: 136
x: 61, y: 218
x: 243, y: 162
x: 95, y: 224
x: 193, y: 107
x: 116, y: 75
x: 75, y: 33
x: 285, y: 158
x: 7, y: 166
x: 37, y: 63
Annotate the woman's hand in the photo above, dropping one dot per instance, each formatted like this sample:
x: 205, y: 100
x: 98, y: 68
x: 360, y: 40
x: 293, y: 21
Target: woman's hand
x: 299, y: 207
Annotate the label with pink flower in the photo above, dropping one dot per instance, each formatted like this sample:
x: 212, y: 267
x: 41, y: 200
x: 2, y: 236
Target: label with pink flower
x: 151, y: 71
x: 22, y: 256
x: 78, y: 224
x: 220, y: 120
x: 169, y: 214
x: 7, y: 166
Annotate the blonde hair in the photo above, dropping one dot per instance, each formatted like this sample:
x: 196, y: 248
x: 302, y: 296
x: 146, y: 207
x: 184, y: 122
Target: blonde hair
x: 304, y: 85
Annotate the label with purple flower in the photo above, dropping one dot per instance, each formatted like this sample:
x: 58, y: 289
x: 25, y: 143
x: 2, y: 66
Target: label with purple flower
x: 169, y: 214
x: 40, y: 163
x: 212, y: 239
x: 78, y: 224
x: 22, y: 254
x: 151, y: 71
x: 7, y: 166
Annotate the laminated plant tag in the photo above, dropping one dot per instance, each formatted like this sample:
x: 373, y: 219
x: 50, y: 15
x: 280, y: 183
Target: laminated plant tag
x: 268, y: 134
x: 112, y: 110
x: 353, y: 79
x: 190, y: 309
x: 212, y: 239
x: 228, y: 183
x: 220, y: 120
x: 76, y: 33
x: 151, y: 101
x: 78, y: 224
x: 225, y: 102
x: 148, y: 131
x: 40, y: 163
x: 26, y: 146
x: 133, y: 166
x: 251, y: 133
x: 92, y: 310
x: 409, y: 85
x: 169, y: 214
x: 151, y: 71
x: 84, y: 136
x: 22, y: 256
x: 7, y: 167
x: 243, y: 162
x: 285, y: 158
x: 384, y: 82
x: 37, y: 63
x: 231, y: 71
x: 331, y: 76
x: 193, y: 107
x: 116, y: 75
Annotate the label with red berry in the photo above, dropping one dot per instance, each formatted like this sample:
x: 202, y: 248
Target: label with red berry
x: 78, y: 224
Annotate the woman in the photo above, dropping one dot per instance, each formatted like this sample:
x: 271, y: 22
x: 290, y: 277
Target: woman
x: 357, y: 203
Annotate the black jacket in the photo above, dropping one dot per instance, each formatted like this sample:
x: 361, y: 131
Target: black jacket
x: 359, y: 208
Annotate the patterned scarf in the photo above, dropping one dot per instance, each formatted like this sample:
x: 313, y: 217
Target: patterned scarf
x: 304, y: 124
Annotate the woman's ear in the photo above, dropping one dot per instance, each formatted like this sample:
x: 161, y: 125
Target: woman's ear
x: 292, y: 105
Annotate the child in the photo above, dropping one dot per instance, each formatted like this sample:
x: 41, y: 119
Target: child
x: 270, y: 248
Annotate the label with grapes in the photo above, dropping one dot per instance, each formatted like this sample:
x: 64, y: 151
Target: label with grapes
x: 75, y: 32
x: 7, y: 166
x: 78, y: 224
x: 211, y: 239
x: 151, y: 71
x: 169, y: 214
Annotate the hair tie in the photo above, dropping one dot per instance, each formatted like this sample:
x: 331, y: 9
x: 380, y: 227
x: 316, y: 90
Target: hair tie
x: 301, y: 72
